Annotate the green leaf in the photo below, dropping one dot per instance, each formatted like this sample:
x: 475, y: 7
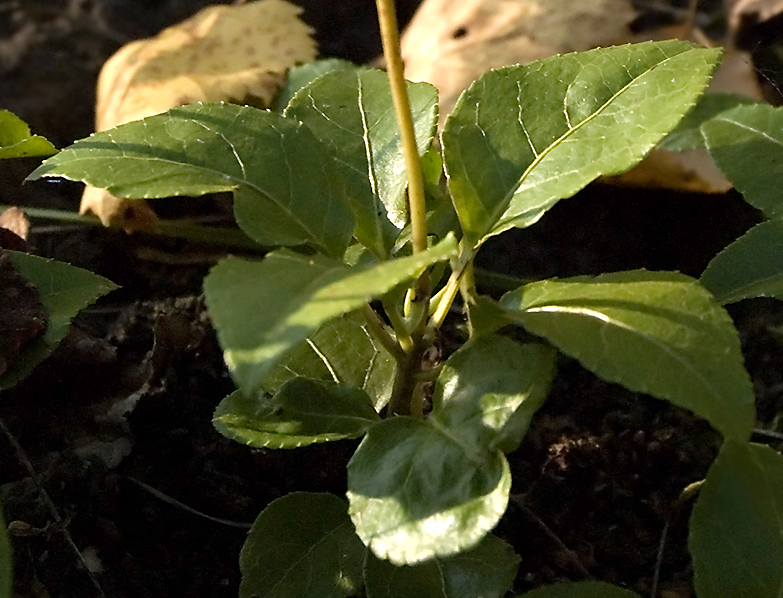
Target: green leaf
x: 746, y: 144
x: 302, y: 545
x: 736, y: 529
x: 16, y: 141
x: 6, y: 561
x: 488, y: 392
x: 352, y: 113
x: 523, y: 137
x: 488, y: 571
x: 687, y: 136
x: 263, y: 309
x: 582, y: 589
x: 343, y: 351
x: 417, y: 491
x: 286, y: 190
x: 302, y: 412
x: 64, y: 291
x: 659, y: 333
x: 752, y: 266
x: 303, y: 74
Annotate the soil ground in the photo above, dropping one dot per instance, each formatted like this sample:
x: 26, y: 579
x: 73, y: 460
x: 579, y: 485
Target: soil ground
x: 595, y: 481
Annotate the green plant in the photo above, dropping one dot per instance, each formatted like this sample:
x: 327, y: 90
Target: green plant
x: 330, y: 337
x: 63, y: 291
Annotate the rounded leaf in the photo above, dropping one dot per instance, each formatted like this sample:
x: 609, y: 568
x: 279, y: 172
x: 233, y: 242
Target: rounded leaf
x: 417, y: 491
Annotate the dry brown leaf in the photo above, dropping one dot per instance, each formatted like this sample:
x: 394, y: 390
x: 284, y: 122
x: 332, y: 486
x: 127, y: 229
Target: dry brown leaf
x: 449, y: 44
x: 222, y: 53
x: 750, y: 12
x: 15, y: 220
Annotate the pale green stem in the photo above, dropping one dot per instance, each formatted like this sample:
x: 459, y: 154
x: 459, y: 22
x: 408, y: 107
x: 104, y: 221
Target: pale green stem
x: 381, y: 333
x: 390, y: 36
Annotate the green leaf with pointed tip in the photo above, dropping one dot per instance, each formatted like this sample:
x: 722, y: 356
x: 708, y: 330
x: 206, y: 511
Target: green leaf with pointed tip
x: 262, y: 310
x: 344, y: 351
x: 64, y: 291
x: 736, y: 529
x: 687, y: 136
x: 582, y: 589
x: 417, y: 491
x: 488, y: 571
x: 660, y: 333
x: 301, y: 75
x: 746, y: 144
x: 16, y: 141
x: 523, y: 137
x: 286, y: 189
x: 352, y: 113
x: 488, y: 391
x: 302, y: 545
x: 302, y: 412
x: 752, y: 266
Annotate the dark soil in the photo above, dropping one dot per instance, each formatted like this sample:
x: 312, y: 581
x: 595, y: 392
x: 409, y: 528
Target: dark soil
x: 123, y: 410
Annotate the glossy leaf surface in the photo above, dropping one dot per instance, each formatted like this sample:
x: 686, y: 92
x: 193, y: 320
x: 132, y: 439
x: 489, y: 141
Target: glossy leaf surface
x: 64, y: 291
x: 736, y: 529
x: 523, y: 137
x: 487, y: 570
x: 658, y: 333
x: 582, y: 589
x: 352, y: 113
x: 488, y: 392
x: 302, y: 545
x: 16, y: 141
x: 302, y: 412
x: 747, y: 146
x: 342, y: 351
x: 417, y: 491
x: 752, y: 266
x: 263, y: 309
x: 286, y: 191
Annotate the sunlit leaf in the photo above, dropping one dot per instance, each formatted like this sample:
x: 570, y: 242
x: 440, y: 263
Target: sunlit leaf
x: 658, y: 333
x: 16, y: 141
x: 523, y: 137
x: 687, y: 136
x: 417, y: 491
x: 488, y: 392
x: 352, y: 113
x: 300, y: 75
x: 746, y: 144
x: 286, y: 191
x: 343, y: 351
x: 302, y: 412
x: 302, y: 545
x: 752, y: 266
x: 261, y: 310
x: 487, y: 570
x: 64, y: 291
x: 736, y: 530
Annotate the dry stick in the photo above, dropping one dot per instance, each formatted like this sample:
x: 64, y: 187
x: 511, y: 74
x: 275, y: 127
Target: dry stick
x: 572, y: 556
x: 173, y: 501
x: 25, y: 461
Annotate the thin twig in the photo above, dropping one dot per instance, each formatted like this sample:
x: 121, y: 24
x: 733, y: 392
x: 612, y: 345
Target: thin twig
x: 174, y: 502
x: 572, y: 556
x: 25, y: 461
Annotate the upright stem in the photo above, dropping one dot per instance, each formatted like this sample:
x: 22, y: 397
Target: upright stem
x: 390, y: 36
